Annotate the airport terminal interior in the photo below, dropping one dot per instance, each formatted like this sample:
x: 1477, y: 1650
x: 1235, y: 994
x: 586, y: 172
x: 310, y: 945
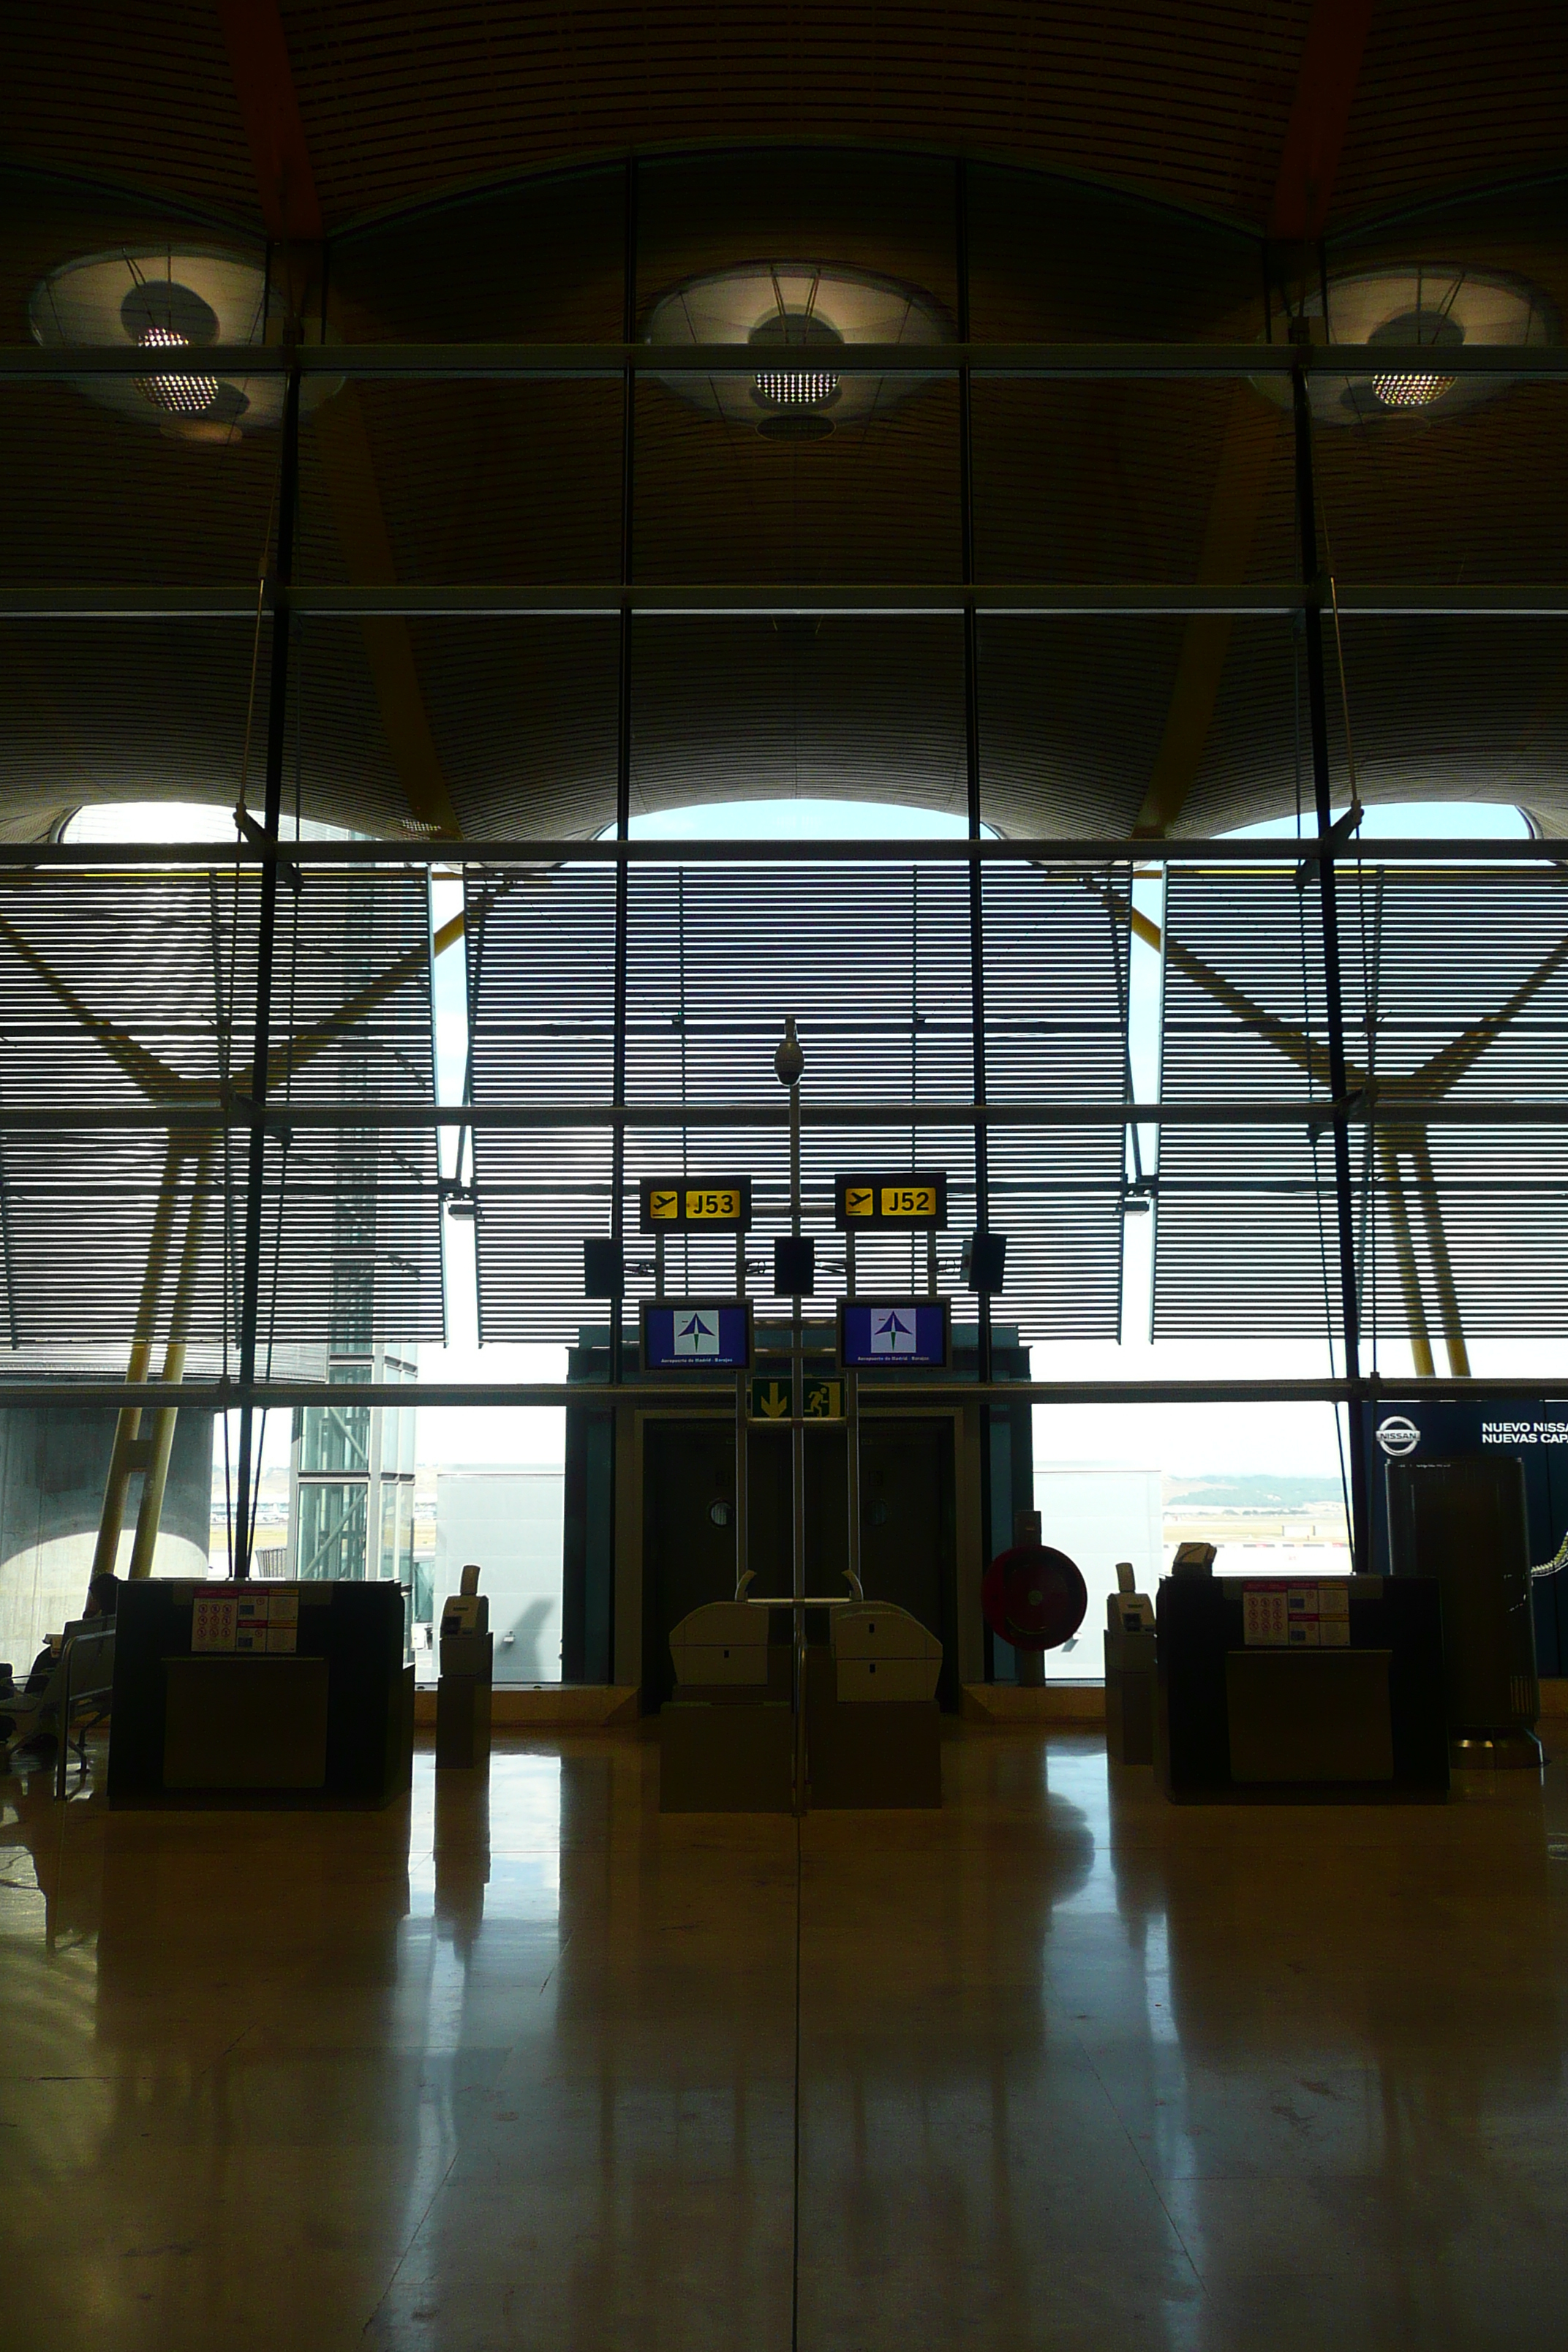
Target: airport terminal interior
x: 784, y: 1176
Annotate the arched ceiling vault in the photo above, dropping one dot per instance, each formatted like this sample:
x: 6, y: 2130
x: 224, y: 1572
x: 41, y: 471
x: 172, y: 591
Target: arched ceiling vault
x: 363, y: 133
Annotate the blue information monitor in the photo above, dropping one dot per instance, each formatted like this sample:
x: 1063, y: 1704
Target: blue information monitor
x: 876, y: 1335
x: 696, y: 1335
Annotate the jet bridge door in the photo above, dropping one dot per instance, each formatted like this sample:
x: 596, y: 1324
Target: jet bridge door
x: 909, y: 1536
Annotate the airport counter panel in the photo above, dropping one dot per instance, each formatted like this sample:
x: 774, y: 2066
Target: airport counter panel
x: 260, y: 1695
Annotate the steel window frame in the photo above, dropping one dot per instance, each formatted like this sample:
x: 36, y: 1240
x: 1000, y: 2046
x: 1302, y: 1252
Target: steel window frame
x: 23, y: 363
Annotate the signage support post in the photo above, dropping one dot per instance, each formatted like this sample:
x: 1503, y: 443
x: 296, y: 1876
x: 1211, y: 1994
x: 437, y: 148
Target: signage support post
x: 658, y: 1265
x: 797, y: 1460
x: 852, y: 1436
x: 742, y: 1438
x: 789, y: 1062
x: 743, y: 1468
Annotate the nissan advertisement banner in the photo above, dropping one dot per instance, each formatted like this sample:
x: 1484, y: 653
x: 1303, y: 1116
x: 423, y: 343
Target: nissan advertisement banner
x: 1534, y: 1429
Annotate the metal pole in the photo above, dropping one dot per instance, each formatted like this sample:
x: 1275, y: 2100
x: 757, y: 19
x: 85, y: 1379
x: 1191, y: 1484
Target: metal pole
x: 742, y: 1441
x: 797, y: 1460
x: 971, y: 741
x: 743, y: 1478
x: 1317, y: 704
x: 277, y: 721
x: 788, y: 1064
x: 543, y: 852
x: 624, y: 746
x: 852, y: 1438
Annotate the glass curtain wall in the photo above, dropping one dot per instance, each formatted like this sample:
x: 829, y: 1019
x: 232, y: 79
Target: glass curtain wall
x: 352, y: 1473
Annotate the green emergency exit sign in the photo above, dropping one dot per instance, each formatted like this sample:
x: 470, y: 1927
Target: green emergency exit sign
x: 821, y: 1400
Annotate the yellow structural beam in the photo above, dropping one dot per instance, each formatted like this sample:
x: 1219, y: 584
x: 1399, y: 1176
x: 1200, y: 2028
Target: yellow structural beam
x: 355, y: 495
x: 1246, y: 453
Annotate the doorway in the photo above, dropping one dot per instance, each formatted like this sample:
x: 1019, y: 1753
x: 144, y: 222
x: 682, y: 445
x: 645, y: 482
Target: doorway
x: 908, y: 1533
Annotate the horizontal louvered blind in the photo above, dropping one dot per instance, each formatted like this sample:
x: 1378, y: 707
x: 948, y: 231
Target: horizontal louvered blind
x: 138, y: 990
x: 874, y: 965
x: 1455, y: 989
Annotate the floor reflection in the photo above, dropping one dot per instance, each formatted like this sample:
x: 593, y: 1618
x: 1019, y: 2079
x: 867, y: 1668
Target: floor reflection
x: 514, y: 2063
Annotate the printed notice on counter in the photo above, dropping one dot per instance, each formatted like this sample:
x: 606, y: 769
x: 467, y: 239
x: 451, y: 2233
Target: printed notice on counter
x: 1263, y: 1618
x: 1297, y: 1616
x: 214, y: 1621
x: 253, y: 1621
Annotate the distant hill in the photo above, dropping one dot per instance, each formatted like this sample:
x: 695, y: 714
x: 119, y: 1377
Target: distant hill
x: 1256, y: 1490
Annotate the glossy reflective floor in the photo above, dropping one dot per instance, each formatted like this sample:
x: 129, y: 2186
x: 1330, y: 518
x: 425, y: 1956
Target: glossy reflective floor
x: 517, y: 2066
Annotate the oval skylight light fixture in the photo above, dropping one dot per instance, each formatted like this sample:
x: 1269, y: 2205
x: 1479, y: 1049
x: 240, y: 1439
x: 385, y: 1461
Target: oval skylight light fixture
x: 164, y: 298
x: 1426, y: 304
x: 816, y: 310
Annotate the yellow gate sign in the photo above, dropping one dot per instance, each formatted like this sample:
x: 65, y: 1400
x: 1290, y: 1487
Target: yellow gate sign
x: 820, y: 1400
x: 682, y: 1204
x: 915, y: 1203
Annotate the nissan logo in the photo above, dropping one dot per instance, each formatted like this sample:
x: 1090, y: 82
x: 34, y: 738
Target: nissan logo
x: 1398, y: 1436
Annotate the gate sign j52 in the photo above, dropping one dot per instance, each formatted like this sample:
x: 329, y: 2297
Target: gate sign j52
x: 912, y: 1200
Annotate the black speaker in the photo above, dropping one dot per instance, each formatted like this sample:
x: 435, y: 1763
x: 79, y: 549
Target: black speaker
x: 603, y: 1269
x: 984, y: 1262
x: 794, y: 1267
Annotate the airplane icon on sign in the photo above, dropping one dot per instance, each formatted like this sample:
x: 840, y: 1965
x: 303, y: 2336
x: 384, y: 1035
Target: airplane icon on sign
x: 698, y: 1335
x: 662, y: 1205
x: 858, y: 1200
x: 893, y: 1334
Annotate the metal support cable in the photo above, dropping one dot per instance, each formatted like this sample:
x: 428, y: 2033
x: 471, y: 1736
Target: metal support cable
x: 277, y: 724
x: 971, y: 735
x: 1316, y: 710
x: 624, y: 748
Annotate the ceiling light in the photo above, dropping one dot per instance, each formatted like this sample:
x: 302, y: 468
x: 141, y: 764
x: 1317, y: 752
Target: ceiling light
x: 818, y: 309
x: 1421, y: 304
x: 168, y: 298
x: 1411, y: 390
x: 183, y: 395
x: 794, y: 400
x: 1434, y: 325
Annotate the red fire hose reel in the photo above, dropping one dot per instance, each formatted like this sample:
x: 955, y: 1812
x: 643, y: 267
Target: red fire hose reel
x: 1033, y: 1597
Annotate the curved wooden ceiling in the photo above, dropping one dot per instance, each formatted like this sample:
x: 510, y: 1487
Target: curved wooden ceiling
x: 1187, y: 100
x: 1275, y: 116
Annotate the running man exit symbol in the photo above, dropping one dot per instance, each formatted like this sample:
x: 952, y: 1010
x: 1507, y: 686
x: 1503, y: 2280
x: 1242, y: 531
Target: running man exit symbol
x: 697, y: 1334
x: 820, y: 1400
x: 893, y: 1333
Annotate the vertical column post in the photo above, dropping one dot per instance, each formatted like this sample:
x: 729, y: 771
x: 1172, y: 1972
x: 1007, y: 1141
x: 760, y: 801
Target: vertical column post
x: 788, y: 1064
x: 852, y: 1437
x: 797, y: 1461
x: 971, y: 741
x: 1317, y: 704
x: 624, y: 748
x: 742, y: 1440
x: 255, y: 1169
